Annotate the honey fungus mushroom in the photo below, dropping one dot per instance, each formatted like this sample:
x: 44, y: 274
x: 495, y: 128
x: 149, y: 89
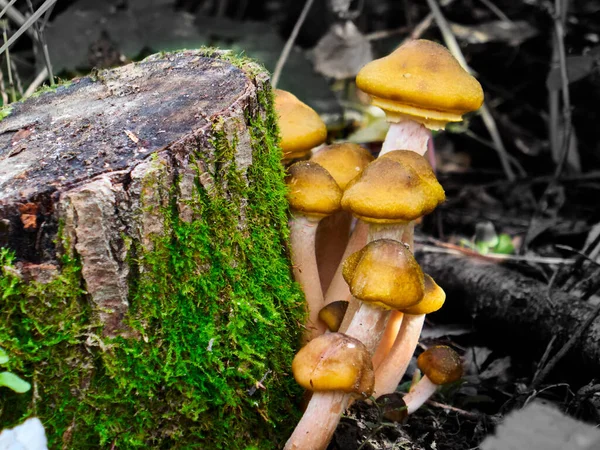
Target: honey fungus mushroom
x: 335, y: 367
x: 334, y: 362
x: 440, y: 365
x: 300, y: 126
x: 421, y: 87
x: 313, y: 194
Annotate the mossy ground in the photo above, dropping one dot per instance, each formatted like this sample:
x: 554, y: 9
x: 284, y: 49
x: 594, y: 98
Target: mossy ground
x: 215, y: 308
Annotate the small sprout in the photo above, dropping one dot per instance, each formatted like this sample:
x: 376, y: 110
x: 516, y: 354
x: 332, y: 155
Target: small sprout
x: 9, y: 379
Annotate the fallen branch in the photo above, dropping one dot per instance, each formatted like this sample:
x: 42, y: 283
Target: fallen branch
x: 513, y: 309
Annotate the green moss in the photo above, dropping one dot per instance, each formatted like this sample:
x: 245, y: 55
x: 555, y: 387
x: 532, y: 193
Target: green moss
x: 45, y: 88
x: 213, y: 305
x: 5, y: 112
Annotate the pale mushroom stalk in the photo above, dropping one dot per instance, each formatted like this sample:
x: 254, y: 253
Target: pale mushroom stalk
x: 389, y: 372
x: 338, y: 289
x: 313, y: 194
x: 303, y: 230
x: 333, y: 236
x: 440, y: 365
x: 394, y: 324
x: 406, y: 134
x: 419, y: 394
x: 316, y: 436
x: 392, y: 368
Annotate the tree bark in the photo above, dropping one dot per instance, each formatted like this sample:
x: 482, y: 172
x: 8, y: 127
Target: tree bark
x: 511, y: 309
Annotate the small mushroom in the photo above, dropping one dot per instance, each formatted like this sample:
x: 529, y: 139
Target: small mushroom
x: 334, y: 362
x: 333, y: 313
x: 300, y: 126
x: 440, y: 365
x: 335, y: 367
x: 392, y: 191
x: 313, y: 194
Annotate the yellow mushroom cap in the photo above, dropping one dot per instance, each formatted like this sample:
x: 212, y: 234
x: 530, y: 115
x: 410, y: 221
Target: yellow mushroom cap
x: 384, y: 273
x: 300, y: 126
x: 433, y: 299
x: 422, y: 81
x: 312, y: 190
x: 343, y: 161
x: 441, y: 364
x: 398, y: 187
x: 333, y: 313
x: 334, y: 361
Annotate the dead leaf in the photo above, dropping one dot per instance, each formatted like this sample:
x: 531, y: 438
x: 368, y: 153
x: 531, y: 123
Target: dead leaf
x: 342, y: 52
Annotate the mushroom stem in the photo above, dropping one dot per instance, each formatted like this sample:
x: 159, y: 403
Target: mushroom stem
x: 406, y: 135
x: 392, y: 369
x: 338, y: 288
x: 389, y: 337
x: 303, y: 230
x: 419, y: 394
x: 315, y: 429
x: 333, y: 235
x: 387, y: 231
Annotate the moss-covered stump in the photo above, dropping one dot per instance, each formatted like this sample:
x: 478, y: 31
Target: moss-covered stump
x: 145, y: 290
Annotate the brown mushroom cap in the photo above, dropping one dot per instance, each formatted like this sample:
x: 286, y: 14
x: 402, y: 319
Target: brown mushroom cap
x: 334, y: 361
x: 432, y: 300
x: 398, y: 187
x: 300, y: 126
x: 312, y: 190
x: 386, y: 274
x: 343, y: 161
x: 441, y: 364
x: 333, y: 313
x: 422, y: 81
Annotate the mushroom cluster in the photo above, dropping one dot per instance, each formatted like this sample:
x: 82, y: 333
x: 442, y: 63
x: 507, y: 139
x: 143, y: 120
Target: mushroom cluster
x: 367, y: 308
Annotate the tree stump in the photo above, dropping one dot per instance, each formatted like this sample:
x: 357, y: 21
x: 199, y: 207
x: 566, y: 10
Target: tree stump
x: 145, y: 288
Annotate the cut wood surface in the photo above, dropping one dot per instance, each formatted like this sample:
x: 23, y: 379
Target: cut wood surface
x: 511, y: 308
x: 84, y: 155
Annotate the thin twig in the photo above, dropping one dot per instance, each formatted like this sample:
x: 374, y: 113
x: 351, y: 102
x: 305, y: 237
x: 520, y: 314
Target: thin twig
x: 43, y: 46
x: 36, y: 83
x: 450, y: 249
x: 560, y: 15
x: 487, y: 117
x: 559, y: 31
x: 9, y: 71
x: 462, y: 412
x: 27, y: 24
x: 15, y: 15
x: 496, y: 10
x: 290, y: 42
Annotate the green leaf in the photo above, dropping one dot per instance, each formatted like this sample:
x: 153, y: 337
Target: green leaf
x: 12, y: 381
x: 482, y: 247
x: 3, y: 357
x: 504, y: 245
